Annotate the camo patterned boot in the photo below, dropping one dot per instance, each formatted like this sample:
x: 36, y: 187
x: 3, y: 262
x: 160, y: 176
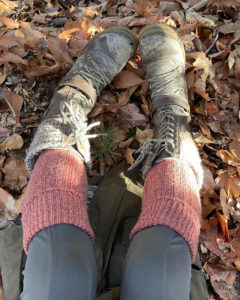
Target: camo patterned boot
x: 163, y: 59
x: 64, y: 123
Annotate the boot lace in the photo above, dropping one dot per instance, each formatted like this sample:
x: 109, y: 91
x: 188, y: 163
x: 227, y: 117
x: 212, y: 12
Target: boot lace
x: 73, y: 114
x: 94, y: 75
x: 164, y: 140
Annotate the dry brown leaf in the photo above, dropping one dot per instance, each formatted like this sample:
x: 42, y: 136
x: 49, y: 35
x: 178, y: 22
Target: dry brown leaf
x: 129, y: 156
x: 208, y: 180
x: 59, y: 49
x: 13, y: 142
x: 39, y: 18
x: 130, y: 117
x: 98, y: 109
x: 126, y: 79
x: 228, y: 158
x: 20, y: 201
x: 126, y: 95
x: 215, y: 127
x: 12, y: 58
x: 224, y: 225
x: 203, y: 63
x: 229, y: 28
x: 223, y: 200
x: 233, y: 186
x: 209, y: 235
x: 126, y: 143
x: 221, y: 272
x: 2, y: 297
x: 234, y: 148
x: 10, y: 4
x: 6, y: 200
x: 15, y: 102
x: 16, y: 174
x: 143, y: 7
x: 6, y: 43
x: 42, y: 71
x: 142, y: 135
x: 3, y: 74
x: 10, y: 23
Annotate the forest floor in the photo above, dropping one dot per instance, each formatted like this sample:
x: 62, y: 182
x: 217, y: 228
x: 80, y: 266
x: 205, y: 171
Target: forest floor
x: 39, y: 41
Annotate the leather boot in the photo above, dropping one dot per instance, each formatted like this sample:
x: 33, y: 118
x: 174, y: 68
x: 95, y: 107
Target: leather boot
x: 163, y: 58
x: 64, y: 123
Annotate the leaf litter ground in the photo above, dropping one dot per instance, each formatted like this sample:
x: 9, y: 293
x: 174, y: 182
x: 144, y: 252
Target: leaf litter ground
x: 39, y: 41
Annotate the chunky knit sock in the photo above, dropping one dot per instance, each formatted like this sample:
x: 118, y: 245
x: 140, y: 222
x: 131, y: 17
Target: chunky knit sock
x: 56, y: 193
x: 171, y: 198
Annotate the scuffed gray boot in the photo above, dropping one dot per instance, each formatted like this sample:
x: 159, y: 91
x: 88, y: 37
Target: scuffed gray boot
x: 64, y: 123
x: 163, y: 59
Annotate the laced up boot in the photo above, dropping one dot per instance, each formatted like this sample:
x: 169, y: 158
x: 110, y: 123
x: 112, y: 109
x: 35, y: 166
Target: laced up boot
x: 163, y: 59
x: 64, y: 123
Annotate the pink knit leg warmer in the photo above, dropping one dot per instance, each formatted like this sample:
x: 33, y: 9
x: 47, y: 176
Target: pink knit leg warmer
x: 171, y: 198
x: 56, y: 193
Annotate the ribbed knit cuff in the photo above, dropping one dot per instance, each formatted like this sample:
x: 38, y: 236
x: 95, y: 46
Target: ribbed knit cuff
x: 171, y: 198
x: 56, y: 193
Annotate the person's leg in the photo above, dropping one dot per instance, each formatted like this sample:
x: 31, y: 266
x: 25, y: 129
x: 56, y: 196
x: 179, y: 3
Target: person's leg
x: 165, y: 238
x: 158, y: 262
x: 57, y: 191
x: 157, y: 266
x: 60, y: 265
x: 60, y: 262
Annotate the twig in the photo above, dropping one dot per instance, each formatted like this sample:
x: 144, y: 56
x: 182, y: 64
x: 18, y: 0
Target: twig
x: 213, y: 43
x: 198, y: 6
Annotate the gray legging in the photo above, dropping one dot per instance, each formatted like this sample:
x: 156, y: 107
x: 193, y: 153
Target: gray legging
x: 61, y: 265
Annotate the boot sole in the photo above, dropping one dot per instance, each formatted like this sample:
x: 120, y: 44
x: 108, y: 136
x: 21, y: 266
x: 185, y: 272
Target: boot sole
x: 162, y: 30
x: 117, y: 29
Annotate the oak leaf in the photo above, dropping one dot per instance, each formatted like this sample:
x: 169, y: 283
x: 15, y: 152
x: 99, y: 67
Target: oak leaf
x: 13, y: 142
x: 129, y: 116
x: 126, y: 79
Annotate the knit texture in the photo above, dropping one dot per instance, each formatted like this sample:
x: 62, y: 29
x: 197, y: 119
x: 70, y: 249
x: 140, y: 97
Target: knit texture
x: 171, y: 198
x: 56, y: 193
x: 51, y: 135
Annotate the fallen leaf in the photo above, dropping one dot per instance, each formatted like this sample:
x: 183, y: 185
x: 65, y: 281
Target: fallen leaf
x: 39, y: 18
x: 59, y: 49
x: 126, y: 79
x: 228, y: 28
x: 129, y: 116
x: 228, y: 158
x: 6, y: 43
x: 20, y: 201
x: 142, y: 135
x: 42, y: 71
x: 3, y: 74
x: 10, y: 23
x: 16, y: 174
x: 126, y: 143
x: 234, y: 148
x: 203, y: 63
x: 143, y: 7
x: 6, y: 200
x: 224, y: 225
x: 233, y: 186
x: 126, y: 95
x: 97, y: 109
x: 128, y: 155
x: 13, y: 58
x: 215, y: 127
x: 221, y: 272
x: 13, y: 142
x: 15, y: 102
x: 223, y: 200
x: 208, y: 180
